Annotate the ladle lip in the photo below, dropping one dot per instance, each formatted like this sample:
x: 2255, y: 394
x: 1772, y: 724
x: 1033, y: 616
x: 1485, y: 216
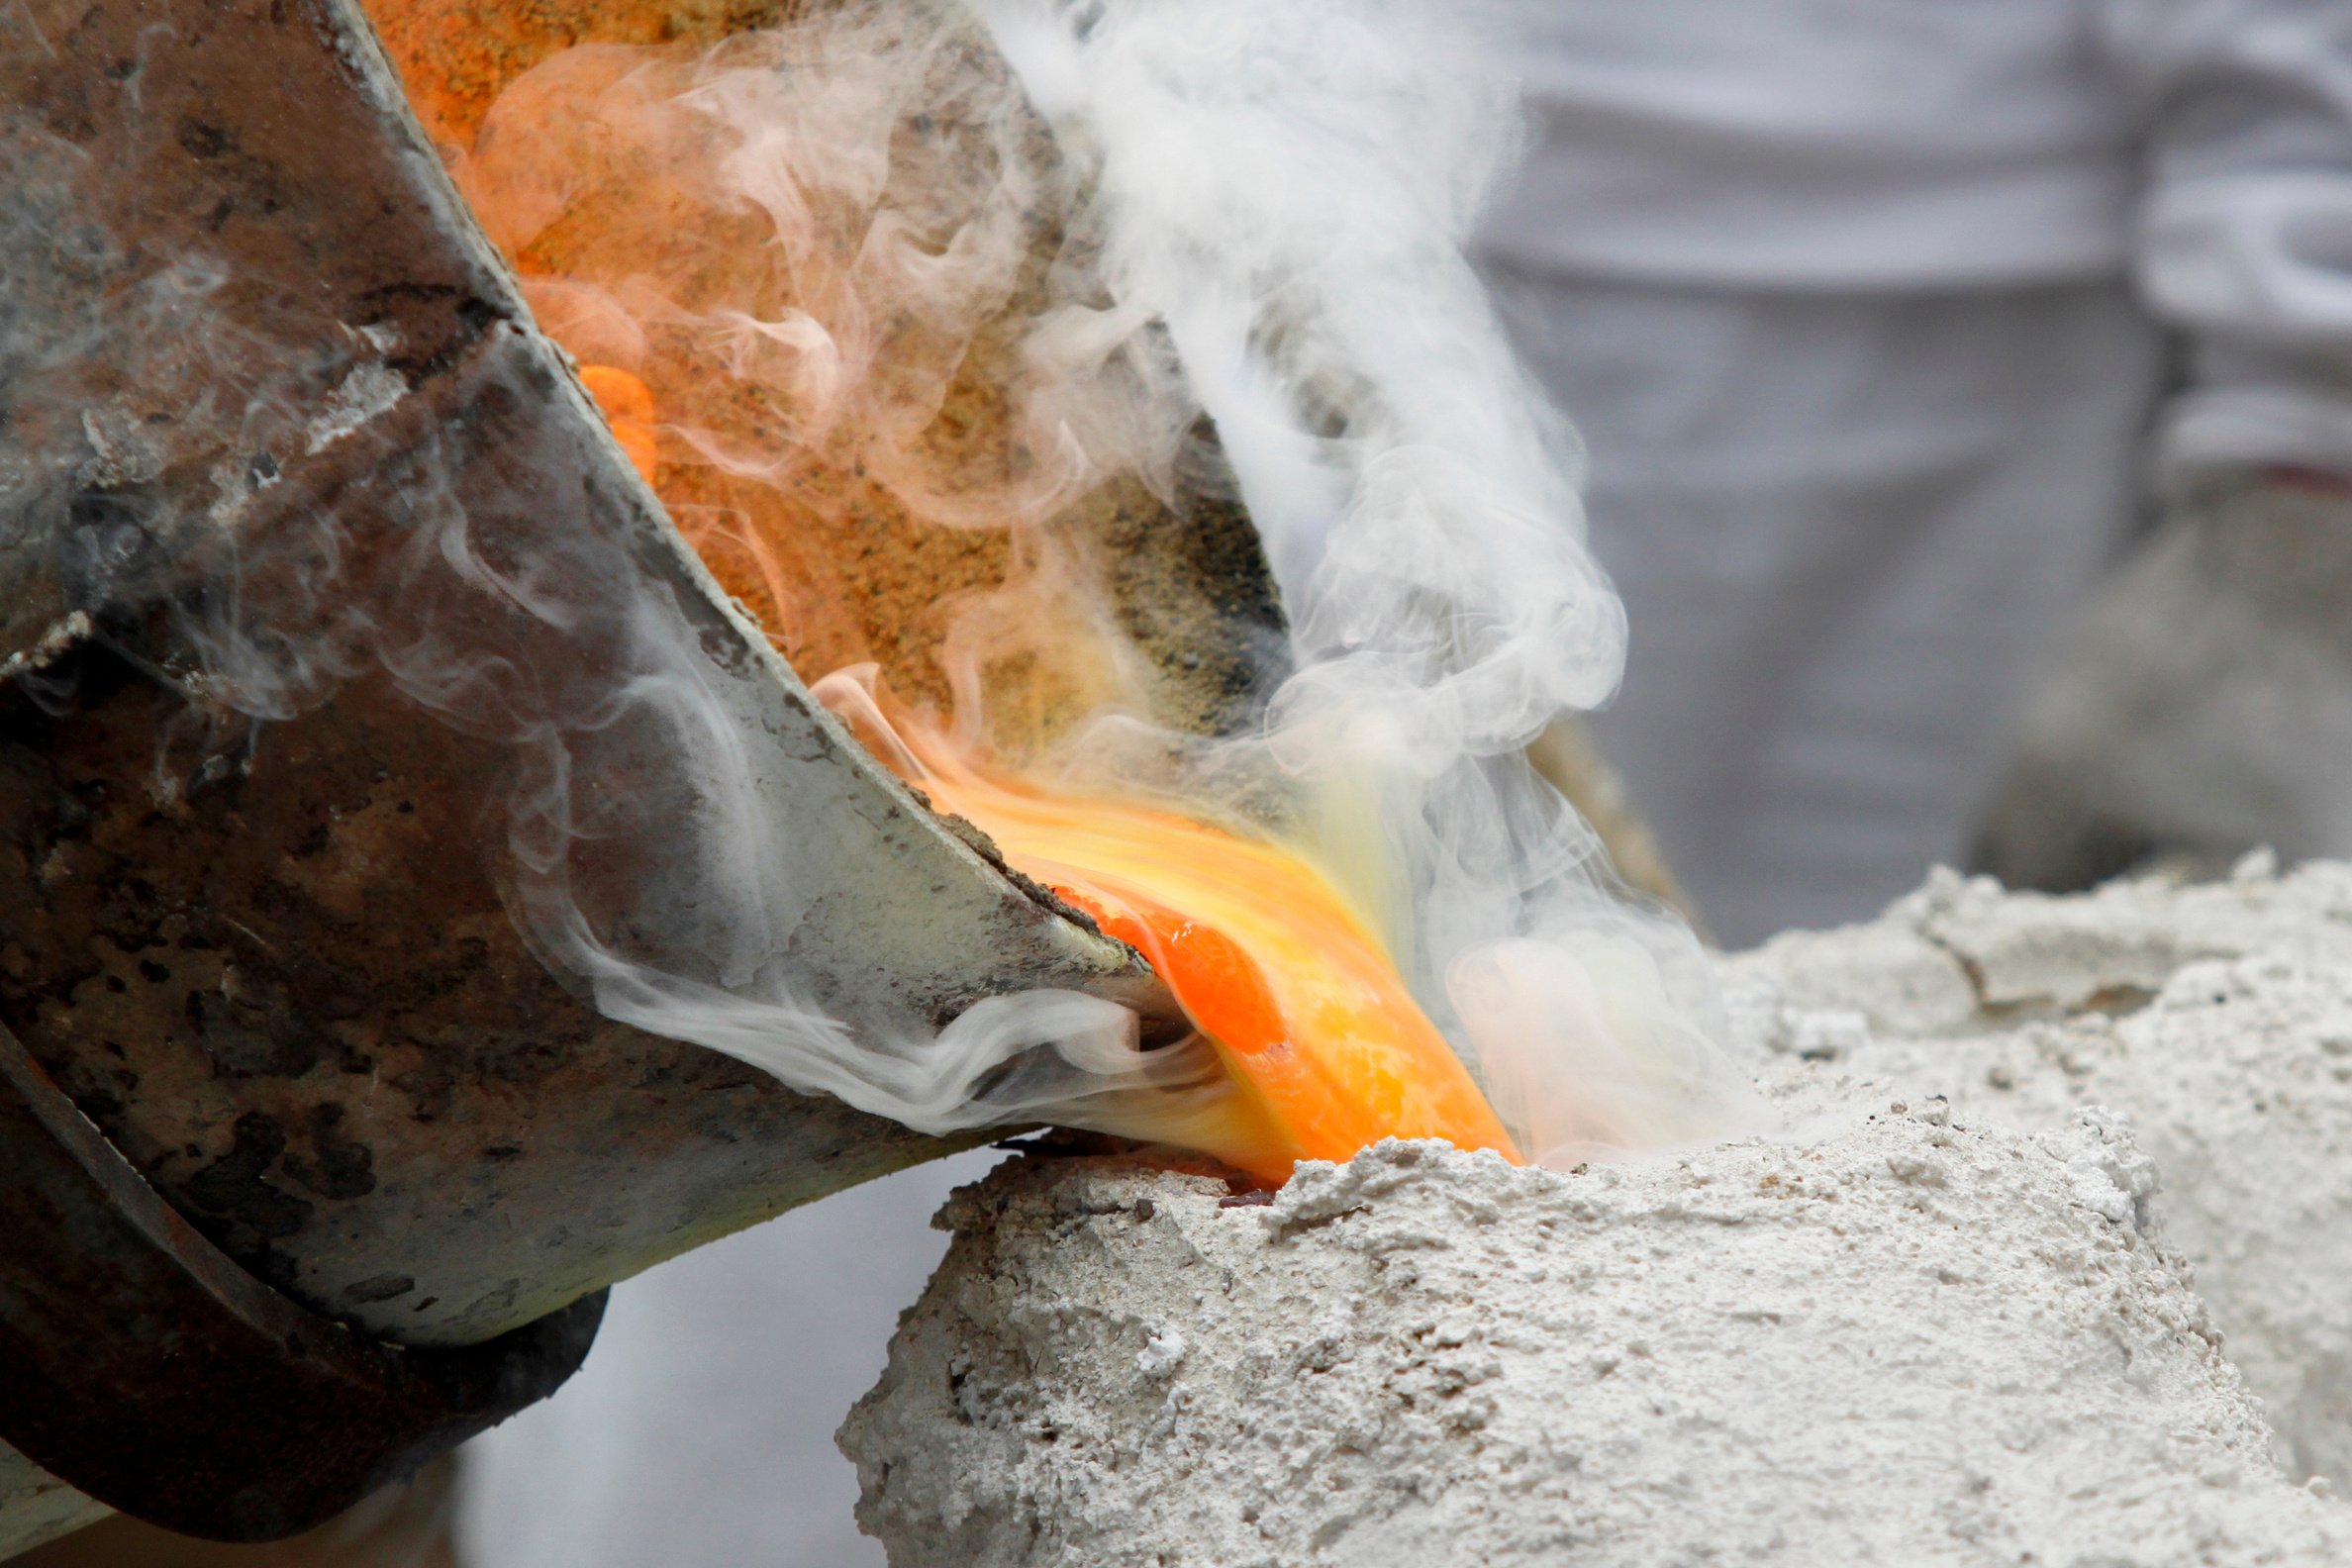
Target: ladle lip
x: 310, y: 929
x: 144, y: 1367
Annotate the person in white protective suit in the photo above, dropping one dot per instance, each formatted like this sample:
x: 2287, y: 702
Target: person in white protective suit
x: 1864, y: 308
x: 1882, y: 320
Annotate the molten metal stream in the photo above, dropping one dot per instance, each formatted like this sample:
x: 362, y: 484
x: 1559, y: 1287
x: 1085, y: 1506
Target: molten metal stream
x: 1305, y: 1010
x: 1304, y: 1006
x: 1302, y: 1002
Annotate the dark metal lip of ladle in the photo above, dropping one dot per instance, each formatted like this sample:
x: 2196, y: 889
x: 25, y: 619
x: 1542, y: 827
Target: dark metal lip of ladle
x: 142, y: 1366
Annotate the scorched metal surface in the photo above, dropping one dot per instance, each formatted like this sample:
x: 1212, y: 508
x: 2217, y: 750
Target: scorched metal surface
x: 268, y: 956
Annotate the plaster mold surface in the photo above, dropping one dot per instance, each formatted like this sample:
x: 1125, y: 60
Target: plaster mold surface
x: 2051, y: 1240
x: 2216, y: 1019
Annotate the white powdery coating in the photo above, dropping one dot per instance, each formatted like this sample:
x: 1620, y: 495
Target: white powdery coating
x: 1962, y: 955
x: 1912, y: 1341
x: 2225, y: 1033
x: 1954, y: 1333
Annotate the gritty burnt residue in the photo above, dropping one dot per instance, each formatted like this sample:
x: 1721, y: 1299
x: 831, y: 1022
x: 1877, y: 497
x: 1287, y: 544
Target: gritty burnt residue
x: 1244, y: 1189
x: 379, y: 1287
x: 968, y: 833
x: 337, y: 1166
x: 287, y: 989
x: 1195, y: 593
x: 244, y: 1209
x: 208, y: 231
x: 454, y: 319
x: 277, y: 961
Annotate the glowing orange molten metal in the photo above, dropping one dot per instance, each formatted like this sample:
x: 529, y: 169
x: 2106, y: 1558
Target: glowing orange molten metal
x: 1325, y: 1043
x: 1304, y: 1006
x: 1326, y: 1046
x: 626, y: 404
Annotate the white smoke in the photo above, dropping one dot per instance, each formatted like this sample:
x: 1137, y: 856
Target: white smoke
x: 1278, y: 191
x: 1289, y: 187
x: 1282, y: 192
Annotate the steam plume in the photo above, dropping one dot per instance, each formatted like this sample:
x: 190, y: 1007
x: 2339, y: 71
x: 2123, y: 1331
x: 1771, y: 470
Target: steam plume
x: 1289, y: 187
x: 801, y: 239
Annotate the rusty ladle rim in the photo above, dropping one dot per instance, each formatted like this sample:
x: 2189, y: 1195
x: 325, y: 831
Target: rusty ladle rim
x: 144, y: 1367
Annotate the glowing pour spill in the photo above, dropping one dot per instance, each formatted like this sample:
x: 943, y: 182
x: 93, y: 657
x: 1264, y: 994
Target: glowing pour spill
x: 1300, y: 1001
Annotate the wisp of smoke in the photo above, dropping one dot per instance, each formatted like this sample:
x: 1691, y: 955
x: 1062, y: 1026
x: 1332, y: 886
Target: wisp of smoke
x: 804, y: 242
x: 1290, y: 189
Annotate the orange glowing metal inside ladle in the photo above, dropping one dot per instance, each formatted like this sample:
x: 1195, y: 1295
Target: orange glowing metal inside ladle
x: 1304, y: 1006
x: 1322, y: 1041
x: 626, y: 404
